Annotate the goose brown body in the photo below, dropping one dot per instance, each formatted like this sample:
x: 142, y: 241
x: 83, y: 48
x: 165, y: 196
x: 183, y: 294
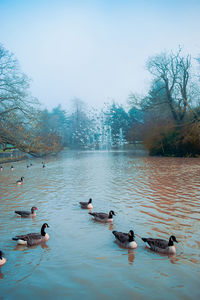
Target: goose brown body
x: 103, y: 217
x: 27, y: 214
x: 31, y: 239
x: 125, y: 239
x: 86, y: 205
x: 160, y: 245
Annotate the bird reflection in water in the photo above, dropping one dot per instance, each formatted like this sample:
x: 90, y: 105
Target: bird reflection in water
x: 131, y: 253
x: 1, y: 274
x: 131, y: 256
x: 111, y: 226
x: 181, y: 257
x: 173, y: 259
x: 24, y: 247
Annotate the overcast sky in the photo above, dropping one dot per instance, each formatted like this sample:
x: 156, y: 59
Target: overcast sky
x: 94, y: 50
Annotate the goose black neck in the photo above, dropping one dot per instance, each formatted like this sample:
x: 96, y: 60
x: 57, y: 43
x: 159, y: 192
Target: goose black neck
x: 42, y: 231
x: 131, y: 238
x: 171, y: 242
x: 110, y: 216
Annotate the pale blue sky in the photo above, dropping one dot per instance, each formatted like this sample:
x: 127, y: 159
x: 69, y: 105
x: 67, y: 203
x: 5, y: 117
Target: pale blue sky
x: 94, y: 50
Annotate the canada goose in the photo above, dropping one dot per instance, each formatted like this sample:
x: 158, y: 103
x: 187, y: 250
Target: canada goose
x: 2, y: 258
x: 20, y: 181
x: 125, y: 239
x: 87, y: 204
x: 160, y: 245
x: 31, y: 239
x: 1, y: 168
x: 12, y: 168
x: 26, y: 214
x: 102, y: 217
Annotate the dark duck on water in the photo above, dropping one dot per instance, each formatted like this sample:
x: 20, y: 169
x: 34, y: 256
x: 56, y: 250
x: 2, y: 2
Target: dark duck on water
x: 160, y: 245
x: 26, y: 214
x: 86, y: 205
x: 126, y: 240
x: 32, y: 239
x: 103, y: 217
x: 20, y: 181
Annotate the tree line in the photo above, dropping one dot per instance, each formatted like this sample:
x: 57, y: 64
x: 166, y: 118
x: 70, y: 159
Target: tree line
x: 166, y: 119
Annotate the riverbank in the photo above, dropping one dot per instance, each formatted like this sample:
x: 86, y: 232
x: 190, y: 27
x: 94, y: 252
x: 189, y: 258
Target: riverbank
x: 12, y: 156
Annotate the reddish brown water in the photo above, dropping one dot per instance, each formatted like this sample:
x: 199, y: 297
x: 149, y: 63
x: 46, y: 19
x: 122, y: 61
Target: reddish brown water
x: 155, y: 197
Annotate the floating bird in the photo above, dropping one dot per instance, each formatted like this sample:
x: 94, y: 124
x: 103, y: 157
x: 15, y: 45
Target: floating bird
x: 12, y: 168
x: 1, y: 168
x: 102, y: 217
x: 87, y: 204
x: 43, y: 166
x: 28, y: 166
x: 20, y: 181
x: 26, y: 214
x: 32, y: 239
x: 125, y: 239
x: 2, y: 258
x: 160, y: 245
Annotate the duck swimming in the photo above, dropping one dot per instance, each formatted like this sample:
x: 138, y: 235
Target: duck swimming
x: 103, y: 217
x: 32, y: 239
x: 20, y: 181
x: 27, y: 214
x: 86, y: 205
x: 125, y: 239
x: 160, y: 245
x: 2, y: 258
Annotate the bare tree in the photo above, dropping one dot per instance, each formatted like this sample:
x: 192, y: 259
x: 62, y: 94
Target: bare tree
x: 173, y: 73
x: 14, y: 87
x: 171, y: 120
x: 17, y: 106
x: 20, y: 118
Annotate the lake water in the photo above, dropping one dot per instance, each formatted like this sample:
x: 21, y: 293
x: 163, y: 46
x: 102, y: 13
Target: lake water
x: 156, y: 197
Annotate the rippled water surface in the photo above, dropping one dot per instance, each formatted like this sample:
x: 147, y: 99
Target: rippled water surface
x: 156, y: 197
